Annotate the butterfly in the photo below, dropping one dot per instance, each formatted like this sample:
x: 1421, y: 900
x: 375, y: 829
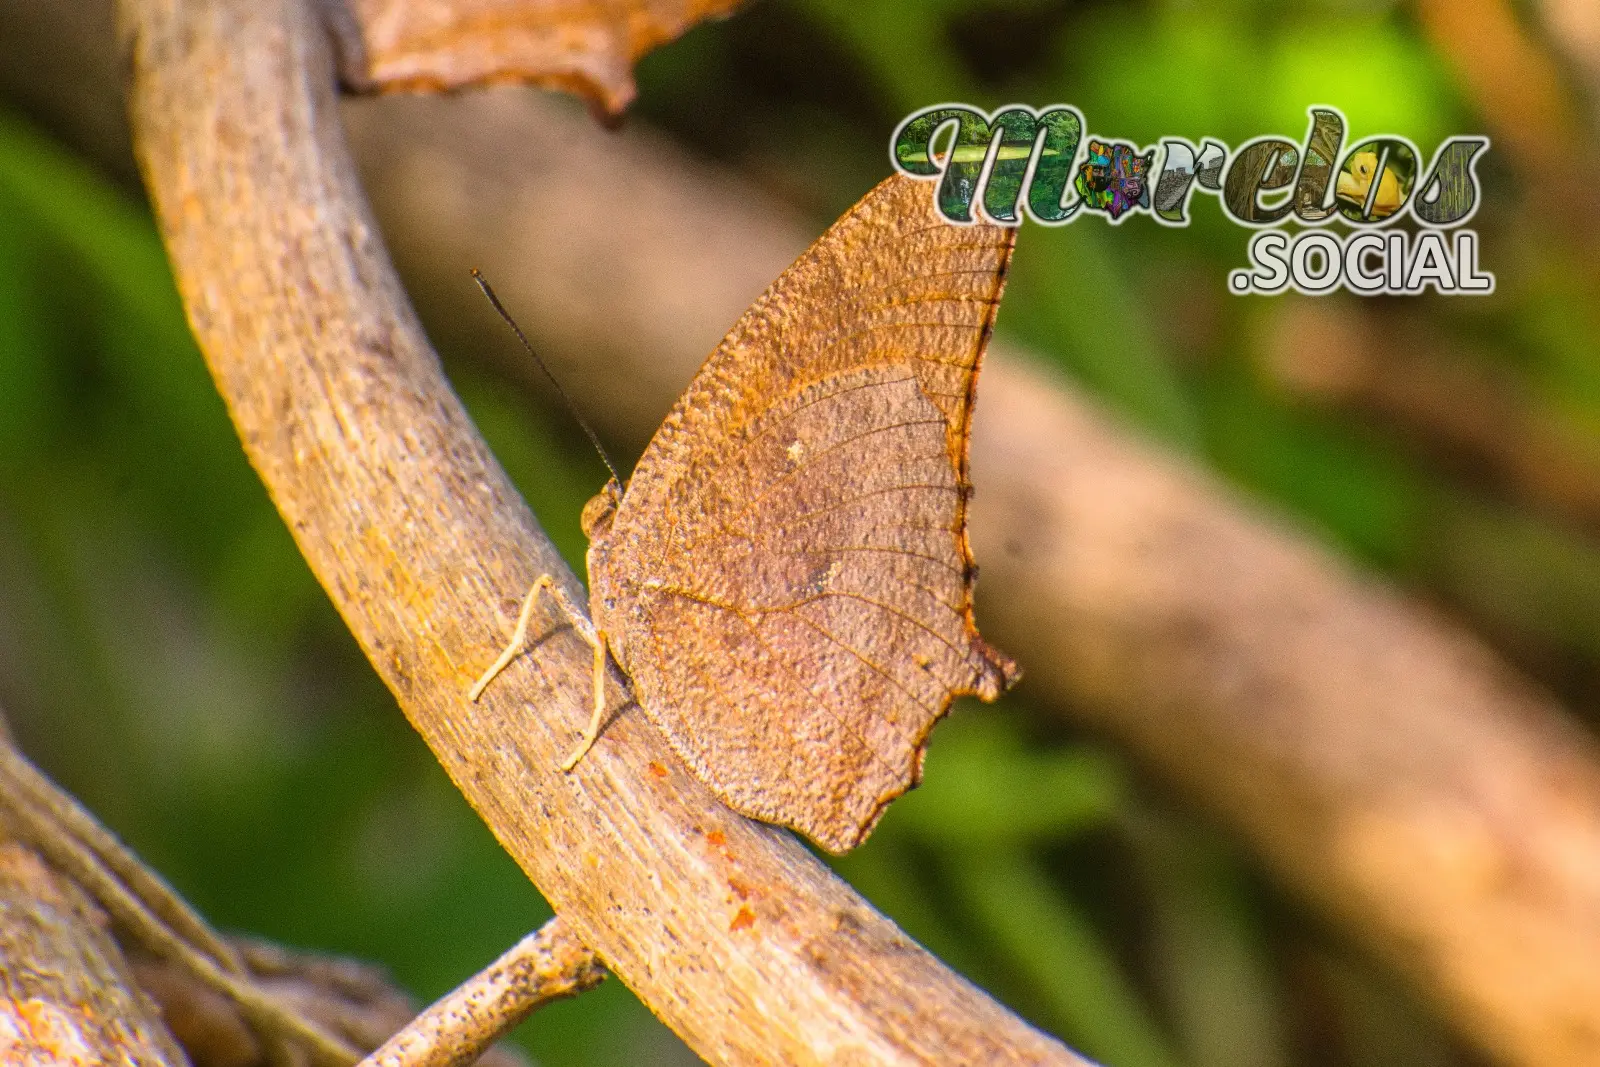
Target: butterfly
x: 786, y: 577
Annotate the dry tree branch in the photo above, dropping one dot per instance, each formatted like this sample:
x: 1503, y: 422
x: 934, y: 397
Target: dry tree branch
x: 546, y: 965
x: 732, y: 932
x: 1377, y: 758
x: 70, y: 994
x: 65, y: 989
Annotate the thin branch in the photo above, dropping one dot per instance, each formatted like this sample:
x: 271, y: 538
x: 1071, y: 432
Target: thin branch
x: 57, y: 816
x: 546, y: 965
x: 425, y: 548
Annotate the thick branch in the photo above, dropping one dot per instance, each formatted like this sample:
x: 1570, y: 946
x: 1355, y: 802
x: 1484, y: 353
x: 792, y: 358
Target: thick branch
x: 1377, y: 758
x: 730, y: 931
x: 65, y: 990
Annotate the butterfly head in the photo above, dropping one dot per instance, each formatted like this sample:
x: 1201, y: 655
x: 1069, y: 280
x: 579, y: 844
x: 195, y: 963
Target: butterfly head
x: 599, y: 511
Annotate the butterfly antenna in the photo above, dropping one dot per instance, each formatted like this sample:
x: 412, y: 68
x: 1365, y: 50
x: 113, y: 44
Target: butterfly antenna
x: 500, y: 309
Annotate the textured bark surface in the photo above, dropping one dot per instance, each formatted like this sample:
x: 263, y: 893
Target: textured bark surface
x: 66, y: 993
x: 730, y: 931
x: 546, y: 965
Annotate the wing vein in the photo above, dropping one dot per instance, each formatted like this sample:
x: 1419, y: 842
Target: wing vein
x: 767, y: 425
x: 913, y: 620
x: 778, y: 482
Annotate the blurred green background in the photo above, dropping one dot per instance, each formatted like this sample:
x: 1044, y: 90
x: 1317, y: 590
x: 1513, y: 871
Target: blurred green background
x: 167, y: 656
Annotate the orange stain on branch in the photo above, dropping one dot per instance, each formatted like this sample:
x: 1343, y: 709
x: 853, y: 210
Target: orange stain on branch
x: 37, y: 1033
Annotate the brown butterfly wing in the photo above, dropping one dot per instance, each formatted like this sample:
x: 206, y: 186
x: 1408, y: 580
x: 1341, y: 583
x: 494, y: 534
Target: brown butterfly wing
x: 787, y: 578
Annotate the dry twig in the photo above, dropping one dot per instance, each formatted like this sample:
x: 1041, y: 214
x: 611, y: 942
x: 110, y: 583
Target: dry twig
x: 546, y: 965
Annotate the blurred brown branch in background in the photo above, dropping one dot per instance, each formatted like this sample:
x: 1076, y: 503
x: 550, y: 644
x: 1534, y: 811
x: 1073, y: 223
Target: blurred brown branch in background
x: 1523, y: 94
x: 1378, y: 759
x: 732, y: 932
x: 1468, y: 413
x: 1574, y: 25
x: 1515, y: 82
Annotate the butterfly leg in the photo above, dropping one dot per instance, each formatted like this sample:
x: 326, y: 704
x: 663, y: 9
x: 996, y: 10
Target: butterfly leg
x: 520, y: 636
x: 591, y: 733
x: 596, y: 639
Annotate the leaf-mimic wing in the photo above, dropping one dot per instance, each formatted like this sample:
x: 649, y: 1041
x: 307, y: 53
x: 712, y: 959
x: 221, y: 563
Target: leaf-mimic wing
x: 787, y: 578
